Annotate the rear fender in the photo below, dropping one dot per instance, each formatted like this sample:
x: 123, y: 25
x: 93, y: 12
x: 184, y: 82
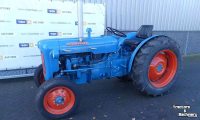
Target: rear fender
x: 138, y: 48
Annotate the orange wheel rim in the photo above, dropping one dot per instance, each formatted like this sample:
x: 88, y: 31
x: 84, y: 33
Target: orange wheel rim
x: 42, y: 80
x: 59, y: 100
x: 162, y: 68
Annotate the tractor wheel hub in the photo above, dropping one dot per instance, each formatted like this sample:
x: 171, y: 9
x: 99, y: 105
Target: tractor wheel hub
x: 162, y: 68
x: 157, y: 67
x: 59, y: 100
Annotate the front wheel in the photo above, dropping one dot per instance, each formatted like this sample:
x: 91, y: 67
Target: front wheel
x: 39, y: 76
x: 157, y: 66
x: 58, y: 98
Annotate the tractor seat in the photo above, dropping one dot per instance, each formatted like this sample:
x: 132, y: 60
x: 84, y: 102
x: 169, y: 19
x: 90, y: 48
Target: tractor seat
x: 143, y: 32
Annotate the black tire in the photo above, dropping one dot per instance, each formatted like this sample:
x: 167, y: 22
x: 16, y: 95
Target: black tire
x: 143, y: 59
x: 50, y: 84
x: 37, y: 73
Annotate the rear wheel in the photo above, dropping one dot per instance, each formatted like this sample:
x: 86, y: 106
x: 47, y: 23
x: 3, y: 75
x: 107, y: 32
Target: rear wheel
x: 58, y: 98
x: 39, y: 76
x: 157, y: 66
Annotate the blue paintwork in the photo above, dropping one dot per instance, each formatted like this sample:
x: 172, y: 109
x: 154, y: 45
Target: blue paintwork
x: 159, y: 68
x: 64, y: 60
x: 104, y: 44
x: 89, y: 30
x: 59, y: 100
x: 47, y: 47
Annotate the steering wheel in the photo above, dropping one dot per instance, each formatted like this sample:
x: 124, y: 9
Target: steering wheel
x: 116, y: 32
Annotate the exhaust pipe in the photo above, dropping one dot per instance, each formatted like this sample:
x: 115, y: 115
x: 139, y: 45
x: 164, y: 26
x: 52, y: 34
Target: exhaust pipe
x: 80, y: 20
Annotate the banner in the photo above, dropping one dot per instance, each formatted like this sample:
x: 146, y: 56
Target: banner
x: 24, y: 22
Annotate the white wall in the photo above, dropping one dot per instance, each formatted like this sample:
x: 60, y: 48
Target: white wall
x: 165, y: 15
x: 25, y: 22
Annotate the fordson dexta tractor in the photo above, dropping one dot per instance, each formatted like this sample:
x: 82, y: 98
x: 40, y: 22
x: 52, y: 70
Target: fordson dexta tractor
x: 152, y: 62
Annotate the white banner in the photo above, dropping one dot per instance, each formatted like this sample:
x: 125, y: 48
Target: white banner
x: 24, y: 22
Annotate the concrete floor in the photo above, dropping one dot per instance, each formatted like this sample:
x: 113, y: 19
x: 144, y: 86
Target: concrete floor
x: 109, y: 99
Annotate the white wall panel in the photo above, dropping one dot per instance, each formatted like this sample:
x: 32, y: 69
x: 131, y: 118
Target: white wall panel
x: 23, y: 23
x: 165, y: 15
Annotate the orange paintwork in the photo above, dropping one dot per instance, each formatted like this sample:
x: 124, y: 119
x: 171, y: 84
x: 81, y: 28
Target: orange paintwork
x: 160, y: 78
x: 43, y: 63
x: 50, y: 97
x: 42, y: 80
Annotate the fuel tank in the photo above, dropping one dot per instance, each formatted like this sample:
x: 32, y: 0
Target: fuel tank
x: 96, y: 45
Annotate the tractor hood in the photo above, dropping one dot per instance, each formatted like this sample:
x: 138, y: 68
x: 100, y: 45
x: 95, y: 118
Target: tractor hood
x: 48, y: 45
x: 96, y: 45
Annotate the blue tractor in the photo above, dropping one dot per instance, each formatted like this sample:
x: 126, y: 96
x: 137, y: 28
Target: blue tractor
x: 152, y: 62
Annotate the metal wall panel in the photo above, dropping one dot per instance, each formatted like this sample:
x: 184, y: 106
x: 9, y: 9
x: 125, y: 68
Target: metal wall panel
x: 165, y: 15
